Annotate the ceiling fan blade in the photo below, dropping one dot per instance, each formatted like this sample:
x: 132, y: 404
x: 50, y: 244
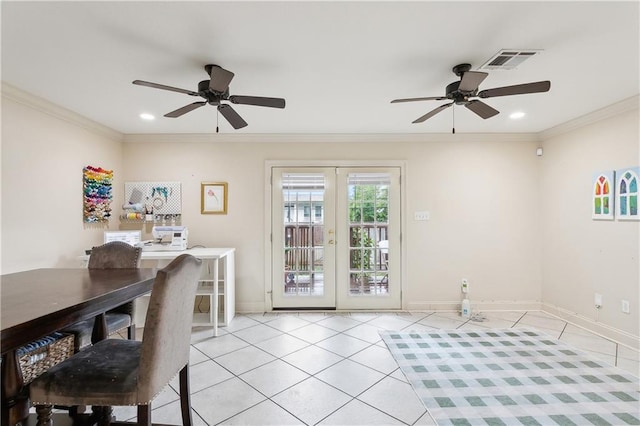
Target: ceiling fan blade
x: 471, y: 80
x: 163, y: 87
x: 220, y: 79
x: 429, y: 98
x: 232, y: 116
x: 432, y: 113
x: 518, y: 89
x: 185, y: 109
x: 258, y: 101
x: 482, y: 109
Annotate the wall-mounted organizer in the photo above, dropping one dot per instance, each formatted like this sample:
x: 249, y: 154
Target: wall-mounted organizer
x: 158, y: 202
x: 97, y: 195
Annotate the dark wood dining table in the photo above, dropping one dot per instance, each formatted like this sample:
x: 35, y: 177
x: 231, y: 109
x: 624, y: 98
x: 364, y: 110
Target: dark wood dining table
x: 39, y: 302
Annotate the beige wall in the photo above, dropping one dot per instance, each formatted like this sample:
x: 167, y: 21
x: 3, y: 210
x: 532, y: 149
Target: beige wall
x: 582, y: 256
x: 514, y: 224
x: 483, y: 222
x: 42, y: 160
x: 478, y: 190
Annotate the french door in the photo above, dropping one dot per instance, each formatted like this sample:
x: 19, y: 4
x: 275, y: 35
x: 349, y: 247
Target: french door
x: 335, y: 237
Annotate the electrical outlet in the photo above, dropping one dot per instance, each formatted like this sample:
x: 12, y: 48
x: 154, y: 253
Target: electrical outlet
x: 625, y: 306
x: 597, y: 300
x: 423, y: 215
x: 465, y: 285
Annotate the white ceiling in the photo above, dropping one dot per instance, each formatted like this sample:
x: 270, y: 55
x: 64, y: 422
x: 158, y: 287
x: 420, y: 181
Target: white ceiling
x: 338, y: 64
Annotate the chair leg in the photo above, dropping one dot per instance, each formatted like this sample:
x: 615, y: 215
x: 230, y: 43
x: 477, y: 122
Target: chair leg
x: 44, y: 415
x: 144, y: 415
x: 185, y: 396
x: 131, y: 332
x: 103, y: 415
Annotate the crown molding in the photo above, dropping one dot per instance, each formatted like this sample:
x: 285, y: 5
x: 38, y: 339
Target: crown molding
x: 19, y: 96
x: 329, y: 137
x: 626, y: 105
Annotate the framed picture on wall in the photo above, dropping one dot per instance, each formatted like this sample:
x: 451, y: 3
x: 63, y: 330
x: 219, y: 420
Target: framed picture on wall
x: 602, y: 192
x: 627, y: 193
x: 213, y: 197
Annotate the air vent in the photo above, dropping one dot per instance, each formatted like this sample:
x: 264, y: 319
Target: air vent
x: 508, y: 59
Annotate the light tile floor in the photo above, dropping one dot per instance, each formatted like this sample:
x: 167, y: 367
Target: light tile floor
x: 313, y: 368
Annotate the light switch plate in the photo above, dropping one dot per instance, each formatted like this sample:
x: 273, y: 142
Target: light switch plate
x: 422, y: 215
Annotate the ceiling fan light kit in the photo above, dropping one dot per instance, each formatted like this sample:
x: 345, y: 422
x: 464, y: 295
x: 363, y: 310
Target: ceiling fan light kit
x: 215, y: 91
x: 465, y: 92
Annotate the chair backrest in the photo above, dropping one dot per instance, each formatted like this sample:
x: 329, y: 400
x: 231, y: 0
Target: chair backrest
x: 167, y: 332
x: 115, y: 255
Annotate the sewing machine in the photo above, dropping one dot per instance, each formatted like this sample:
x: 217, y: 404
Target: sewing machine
x: 167, y: 238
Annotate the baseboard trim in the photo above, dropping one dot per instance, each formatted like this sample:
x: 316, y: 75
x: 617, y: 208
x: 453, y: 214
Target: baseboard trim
x: 616, y: 335
x: 489, y: 305
x: 250, y: 307
x: 619, y: 336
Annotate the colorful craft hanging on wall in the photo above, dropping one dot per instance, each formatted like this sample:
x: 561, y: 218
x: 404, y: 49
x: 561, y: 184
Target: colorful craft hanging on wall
x: 627, y: 193
x: 97, y: 183
x: 602, y: 195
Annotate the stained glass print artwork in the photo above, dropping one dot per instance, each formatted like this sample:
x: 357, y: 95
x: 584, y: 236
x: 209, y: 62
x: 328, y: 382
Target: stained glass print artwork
x: 627, y: 193
x: 602, y: 195
x: 97, y: 195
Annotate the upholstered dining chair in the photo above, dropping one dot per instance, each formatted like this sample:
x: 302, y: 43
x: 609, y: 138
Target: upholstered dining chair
x: 129, y: 372
x: 112, y: 255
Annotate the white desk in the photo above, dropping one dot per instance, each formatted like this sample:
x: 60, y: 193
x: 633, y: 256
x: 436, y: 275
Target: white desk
x: 209, y: 282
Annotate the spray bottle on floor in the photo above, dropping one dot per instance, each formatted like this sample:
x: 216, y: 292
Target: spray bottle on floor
x: 465, y: 310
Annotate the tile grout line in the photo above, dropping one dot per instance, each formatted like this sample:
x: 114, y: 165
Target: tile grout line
x: 341, y: 333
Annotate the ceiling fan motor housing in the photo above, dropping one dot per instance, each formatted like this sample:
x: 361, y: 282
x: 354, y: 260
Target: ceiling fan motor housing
x: 452, y: 92
x: 211, y: 97
x: 457, y: 96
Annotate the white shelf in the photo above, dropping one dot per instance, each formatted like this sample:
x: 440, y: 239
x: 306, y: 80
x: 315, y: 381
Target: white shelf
x: 205, y: 288
x: 201, y: 318
x: 218, y: 267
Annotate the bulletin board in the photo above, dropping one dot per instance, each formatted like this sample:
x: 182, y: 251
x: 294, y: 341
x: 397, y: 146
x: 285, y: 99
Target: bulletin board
x: 164, y: 197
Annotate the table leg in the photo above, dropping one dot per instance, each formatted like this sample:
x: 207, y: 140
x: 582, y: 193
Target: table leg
x: 100, y: 331
x: 14, y: 408
x: 215, y: 308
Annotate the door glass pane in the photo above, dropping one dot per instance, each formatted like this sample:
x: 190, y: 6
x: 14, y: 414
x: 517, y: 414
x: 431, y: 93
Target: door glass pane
x: 368, y: 200
x: 303, y: 218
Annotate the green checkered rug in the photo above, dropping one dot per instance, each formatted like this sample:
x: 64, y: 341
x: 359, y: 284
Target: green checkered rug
x: 512, y: 377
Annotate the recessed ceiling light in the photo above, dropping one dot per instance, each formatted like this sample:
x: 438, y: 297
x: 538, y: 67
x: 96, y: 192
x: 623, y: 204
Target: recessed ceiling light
x: 516, y: 115
x: 147, y: 116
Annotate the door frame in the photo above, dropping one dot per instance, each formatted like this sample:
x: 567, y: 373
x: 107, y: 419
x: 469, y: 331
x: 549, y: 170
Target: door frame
x: 268, y: 255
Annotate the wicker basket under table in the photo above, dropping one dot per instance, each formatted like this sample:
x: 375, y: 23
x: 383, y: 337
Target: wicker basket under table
x: 42, y: 354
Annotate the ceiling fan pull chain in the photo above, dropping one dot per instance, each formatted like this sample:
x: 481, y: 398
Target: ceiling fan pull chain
x: 453, y: 128
x: 217, y: 121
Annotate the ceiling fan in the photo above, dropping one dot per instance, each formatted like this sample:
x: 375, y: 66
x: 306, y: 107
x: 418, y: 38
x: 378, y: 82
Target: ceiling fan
x: 214, y: 91
x: 461, y: 93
